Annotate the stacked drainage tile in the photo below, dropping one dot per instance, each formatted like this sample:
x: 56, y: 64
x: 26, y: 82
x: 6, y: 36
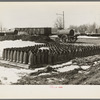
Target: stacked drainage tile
x: 44, y: 54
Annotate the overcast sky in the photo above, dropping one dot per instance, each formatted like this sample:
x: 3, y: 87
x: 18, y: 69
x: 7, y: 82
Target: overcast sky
x: 43, y: 14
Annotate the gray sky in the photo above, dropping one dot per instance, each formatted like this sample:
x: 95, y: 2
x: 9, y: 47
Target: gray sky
x: 43, y: 14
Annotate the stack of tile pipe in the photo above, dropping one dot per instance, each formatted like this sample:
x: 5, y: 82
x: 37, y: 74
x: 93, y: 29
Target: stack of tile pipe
x: 48, y: 54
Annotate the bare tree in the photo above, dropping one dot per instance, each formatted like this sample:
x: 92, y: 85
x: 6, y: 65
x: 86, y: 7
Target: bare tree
x: 85, y: 28
x: 59, y: 23
x: 92, y: 28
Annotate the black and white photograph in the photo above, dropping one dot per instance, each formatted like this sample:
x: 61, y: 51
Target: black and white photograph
x: 50, y: 43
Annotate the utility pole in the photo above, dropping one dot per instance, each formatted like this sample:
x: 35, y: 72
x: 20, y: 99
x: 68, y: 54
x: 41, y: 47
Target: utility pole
x: 63, y: 19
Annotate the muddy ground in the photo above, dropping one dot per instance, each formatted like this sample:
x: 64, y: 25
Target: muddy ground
x: 89, y: 74
x: 78, y: 76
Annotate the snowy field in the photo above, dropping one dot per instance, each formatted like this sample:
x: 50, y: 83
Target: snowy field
x: 88, y: 37
x: 11, y: 75
x: 16, y: 43
x: 84, y: 37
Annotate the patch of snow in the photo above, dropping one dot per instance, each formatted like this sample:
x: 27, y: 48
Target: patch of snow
x: 54, y: 36
x: 86, y: 72
x: 12, y: 75
x: 35, y: 70
x: 85, y: 67
x: 80, y: 72
x: 68, y: 68
x: 44, y: 74
x: 42, y: 48
x: 16, y: 43
x: 87, y: 37
x: 63, y: 64
x: 95, y: 62
x: 52, y: 79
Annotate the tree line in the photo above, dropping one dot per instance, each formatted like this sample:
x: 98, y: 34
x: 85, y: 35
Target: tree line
x: 85, y: 28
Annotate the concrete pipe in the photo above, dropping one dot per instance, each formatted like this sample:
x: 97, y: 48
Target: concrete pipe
x: 18, y: 56
x: 49, y: 57
x: 11, y: 55
x: 21, y: 57
x: 8, y: 55
x: 42, y: 57
x: 3, y: 54
x: 30, y: 60
x: 25, y: 57
x: 6, y: 52
x: 15, y: 56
